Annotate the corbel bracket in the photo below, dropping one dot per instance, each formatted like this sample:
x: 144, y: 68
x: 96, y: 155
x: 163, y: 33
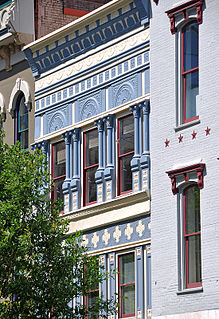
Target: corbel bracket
x: 182, y: 9
x: 198, y: 168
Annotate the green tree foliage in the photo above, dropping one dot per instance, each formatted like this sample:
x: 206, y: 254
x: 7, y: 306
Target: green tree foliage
x: 41, y: 265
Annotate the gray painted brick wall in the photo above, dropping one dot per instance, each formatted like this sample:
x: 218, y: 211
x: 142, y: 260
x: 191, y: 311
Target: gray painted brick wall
x: 204, y: 148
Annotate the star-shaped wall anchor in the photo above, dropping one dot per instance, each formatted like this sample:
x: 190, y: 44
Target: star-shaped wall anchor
x: 207, y: 131
x: 167, y: 142
x: 194, y: 135
x: 180, y: 138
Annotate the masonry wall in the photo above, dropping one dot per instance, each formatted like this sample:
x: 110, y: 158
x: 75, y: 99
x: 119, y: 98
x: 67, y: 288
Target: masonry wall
x: 51, y: 13
x: 204, y: 148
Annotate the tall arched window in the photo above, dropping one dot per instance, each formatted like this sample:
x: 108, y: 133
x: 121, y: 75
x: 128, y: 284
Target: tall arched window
x: 192, y: 236
x: 21, y: 122
x: 190, y: 71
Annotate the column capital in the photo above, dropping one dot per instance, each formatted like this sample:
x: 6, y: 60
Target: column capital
x: 43, y: 145
x: 76, y: 134
x: 135, y: 109
x: 100, y: 124
x: 67, y: 137
x: 145, y: 106
x: 109, y: 120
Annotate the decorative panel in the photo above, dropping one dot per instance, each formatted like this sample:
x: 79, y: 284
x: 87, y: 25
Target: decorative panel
x: 90, y: 105
x: 57, y: 119
x: 125, y: 90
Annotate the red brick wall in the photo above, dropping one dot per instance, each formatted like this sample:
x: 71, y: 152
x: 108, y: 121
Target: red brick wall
x: 50, y: 14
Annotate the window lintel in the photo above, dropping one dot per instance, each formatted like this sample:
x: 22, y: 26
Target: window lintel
x: 183, y: 9
x: 195, y: 168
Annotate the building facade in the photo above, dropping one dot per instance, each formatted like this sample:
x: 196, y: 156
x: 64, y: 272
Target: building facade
x: 92, y: 114
x: 184, y: 131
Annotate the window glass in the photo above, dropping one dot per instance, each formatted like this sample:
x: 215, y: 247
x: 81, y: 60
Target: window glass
x: 58, y: 170
x: 192, y: 202
x: 90, y: 166
x: 127, y: 284
x: 21, y: 122
x: 91, y: 148
x: 190, y: 47
x: 59, y: 159
x: 126, y: 173
x: 126, y: 135
x: 191, y: 91
x: 192, y: 236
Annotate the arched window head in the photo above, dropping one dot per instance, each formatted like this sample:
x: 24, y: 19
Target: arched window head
x: 21, y: 87
x: 190, y: 71
x: 192, y: 236
x: 21, y: 121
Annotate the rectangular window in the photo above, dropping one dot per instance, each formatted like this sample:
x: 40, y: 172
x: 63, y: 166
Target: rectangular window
x: 125, y: 153
x: 190, y: 71
x: 58, y: 169
x: 192, y: 236
x: 127, y: 285
x: 90, y: 166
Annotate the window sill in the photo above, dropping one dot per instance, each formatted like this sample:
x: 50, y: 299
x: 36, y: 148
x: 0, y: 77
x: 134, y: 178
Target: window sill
x: 190, y: 291
x: 185, y: 125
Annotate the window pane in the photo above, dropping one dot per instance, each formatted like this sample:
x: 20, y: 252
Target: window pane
x: 190, y: 47
x: 128, y: 302
x: 126, y: 173
x: 91, y: 301
x: 192, y: 210
x: 23, y: 115
x: 23, y: 138
x: 91, y: 187
x: 58, y: 194
x: 91, y: 148
x: 127, y: 270
x: 126, y: 135
x: 59, y: 159
x: 194, y: 259
x: 192, y: 90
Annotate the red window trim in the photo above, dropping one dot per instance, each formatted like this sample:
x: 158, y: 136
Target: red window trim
x: 84, y: 171
x: 75, y: 12
x: 52, y: 174
x: 123, y: 285
x: 198, y: 168
x: 186, y: 236
x: 119, y: 192
x: 182, y: 9
x: 184, y: 73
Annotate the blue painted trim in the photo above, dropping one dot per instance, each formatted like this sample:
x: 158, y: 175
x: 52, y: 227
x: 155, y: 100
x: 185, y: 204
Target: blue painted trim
x: 103, y: 284
x: 147, y: 81
x: 93, y: 68
x: 37, y: 126
x: 112, y: 281
x: 96, y: 88
x: 139, y: 282
x: 148, y: 281
x: 112, y: 29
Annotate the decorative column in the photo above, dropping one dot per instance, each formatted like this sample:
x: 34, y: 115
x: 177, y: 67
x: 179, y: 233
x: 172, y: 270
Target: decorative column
x: 112, y: 281
x: 44, y: 146
x: 139, y: 283
x: 99, y: 173
x: 148, y: 282
x: 103, y: 284
x: 145, y: 157
x: 135, y: 162
x: 75, y: 182
x: 109, y: 172
x: 66, y: 185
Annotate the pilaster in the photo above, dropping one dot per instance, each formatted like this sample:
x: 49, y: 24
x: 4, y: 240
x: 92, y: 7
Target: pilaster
x: 75, y: 182
x: 135, y: 162
x: 145, y: 157
x: 99, y: 176
x: 66, y: 185
x: 109, y: 172
x: 139, y: 283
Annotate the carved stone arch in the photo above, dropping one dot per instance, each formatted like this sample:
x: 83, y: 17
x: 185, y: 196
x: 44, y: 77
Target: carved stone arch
x: 2, y: 107
x: 21, y: 86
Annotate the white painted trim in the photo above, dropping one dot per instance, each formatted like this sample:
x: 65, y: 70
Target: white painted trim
x: 20, y: 86
x: 2, y: 107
